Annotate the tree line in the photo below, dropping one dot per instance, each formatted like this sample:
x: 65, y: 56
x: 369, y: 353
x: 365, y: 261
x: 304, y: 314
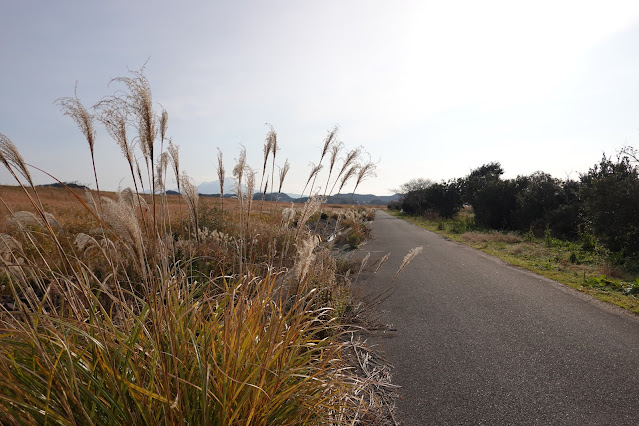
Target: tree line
x: 602, y: 205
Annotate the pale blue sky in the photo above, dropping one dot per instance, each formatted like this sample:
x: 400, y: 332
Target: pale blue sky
x: 431, y: 89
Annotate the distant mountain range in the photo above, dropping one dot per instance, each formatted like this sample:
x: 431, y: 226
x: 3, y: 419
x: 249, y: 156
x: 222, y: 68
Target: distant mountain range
x: 369, y: 199
x: 72, y: 185
x: 212, y: 189
x: 362, y: 199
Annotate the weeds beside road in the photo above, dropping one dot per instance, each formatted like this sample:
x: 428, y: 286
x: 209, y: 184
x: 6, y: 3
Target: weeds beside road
x: 577, y: 265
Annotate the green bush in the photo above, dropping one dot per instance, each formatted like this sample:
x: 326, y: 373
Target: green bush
x: 479, y: 178
x: 394, y: 205
x: 458, y: 227
x: 543, y: 201
x: 602, y: 207
x: 573, y: 257
x: 494, y: 204
x: 443, y: 199
x: 588, y: 242
x: 610, y: 192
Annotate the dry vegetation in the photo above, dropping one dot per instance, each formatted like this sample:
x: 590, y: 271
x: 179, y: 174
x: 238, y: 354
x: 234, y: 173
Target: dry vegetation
x: 586, y: 268
x: 121, y: 308
x: 490, y: 237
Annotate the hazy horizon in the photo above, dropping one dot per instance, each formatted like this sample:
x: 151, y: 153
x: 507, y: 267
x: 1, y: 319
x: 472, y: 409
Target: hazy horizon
x: 429, y: 89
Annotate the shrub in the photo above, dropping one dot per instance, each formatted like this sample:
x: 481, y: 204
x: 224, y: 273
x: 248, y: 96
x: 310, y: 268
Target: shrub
x: 414, y: 202
x: 394, y: 205
x: 494, y: 204
x: 538, y: 195
x: 458, y: 227
x: 566, y: 218
x: 573, y: 257
x: 610, y: 192
x: 588, y: 242
x: 444, y: 199
x: 478, y: 178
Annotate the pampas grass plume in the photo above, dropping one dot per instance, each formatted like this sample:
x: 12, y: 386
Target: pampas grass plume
x: 407, y: 259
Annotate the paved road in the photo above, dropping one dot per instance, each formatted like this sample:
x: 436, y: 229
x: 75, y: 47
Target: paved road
x: 479, y: 342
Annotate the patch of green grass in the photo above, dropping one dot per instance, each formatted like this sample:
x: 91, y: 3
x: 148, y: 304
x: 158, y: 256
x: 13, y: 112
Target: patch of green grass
x: 575, y: 264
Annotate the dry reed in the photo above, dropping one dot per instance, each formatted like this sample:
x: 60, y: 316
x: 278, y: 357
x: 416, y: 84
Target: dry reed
x: 407, y: 259
x: 78, y: 113
x: 123, y: 319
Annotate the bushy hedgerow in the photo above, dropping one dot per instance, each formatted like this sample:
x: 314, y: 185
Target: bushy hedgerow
x: 603, y: 204
x: 495, y: 203
x: 443, y: 198
x: 610, y: 199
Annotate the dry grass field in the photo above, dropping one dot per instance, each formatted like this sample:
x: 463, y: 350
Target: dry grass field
x: 121, y: 308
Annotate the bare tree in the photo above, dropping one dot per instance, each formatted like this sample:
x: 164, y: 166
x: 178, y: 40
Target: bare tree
x: 413, y: 185
x: 630, y: 152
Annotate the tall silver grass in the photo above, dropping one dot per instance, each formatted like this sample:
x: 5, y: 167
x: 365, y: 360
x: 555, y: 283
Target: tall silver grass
x: 315, y: 169
x: 269, y: 143
x: 349, y: 165
x: 365, y: 171
x: 78, y: 113
x: 12, y: 160
x: 335, y: 150
x: 139, y: 103
x: 283, y: 172
x: 174, y: 156
x: 192, y: 199
x: 220, y: 175
x: 328, y: 142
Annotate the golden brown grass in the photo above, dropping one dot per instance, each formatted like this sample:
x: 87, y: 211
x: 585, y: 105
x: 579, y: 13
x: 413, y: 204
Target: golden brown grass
x: 122, y: 308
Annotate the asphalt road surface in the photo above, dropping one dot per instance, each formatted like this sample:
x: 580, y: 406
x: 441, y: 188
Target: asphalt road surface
x: 476, y: 341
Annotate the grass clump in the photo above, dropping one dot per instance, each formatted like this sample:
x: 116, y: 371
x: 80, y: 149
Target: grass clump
x: 354, y: 230
x: 156, y: 309
x: 199, y: 357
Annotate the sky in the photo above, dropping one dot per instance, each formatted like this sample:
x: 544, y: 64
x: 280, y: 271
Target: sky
x: 430, y: 89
